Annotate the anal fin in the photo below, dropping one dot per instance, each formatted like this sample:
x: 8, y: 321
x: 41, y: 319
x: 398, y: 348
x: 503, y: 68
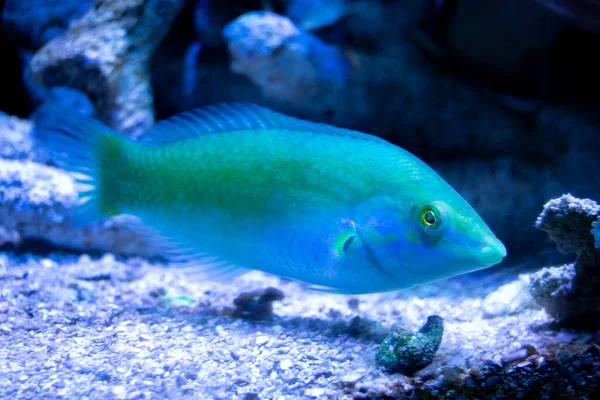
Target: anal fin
x: 185, y: 255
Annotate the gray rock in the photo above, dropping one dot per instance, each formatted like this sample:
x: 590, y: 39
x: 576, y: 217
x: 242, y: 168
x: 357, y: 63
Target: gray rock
x: 571, y: 293
x: 263, y: 45
x: 550, y: 289
x: 106, y: 54
x: 15, y: 138
x: 568, y: 222
x: 37, y: 201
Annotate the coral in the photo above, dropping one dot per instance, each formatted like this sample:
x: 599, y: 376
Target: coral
x: 36, y: 202
x: 570, y: 293
x: 407, y: 352
x: 106, y: 54
x: 257, y: 304
x: 263, y: 45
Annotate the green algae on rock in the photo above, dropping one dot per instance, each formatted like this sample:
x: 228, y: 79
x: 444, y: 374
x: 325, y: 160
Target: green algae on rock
x: 407, y: 352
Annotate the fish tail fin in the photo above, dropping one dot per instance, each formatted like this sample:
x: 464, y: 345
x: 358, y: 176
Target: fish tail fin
x: 90, y: 151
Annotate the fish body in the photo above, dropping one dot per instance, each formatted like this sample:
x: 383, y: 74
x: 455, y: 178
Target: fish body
x: 237, y: 187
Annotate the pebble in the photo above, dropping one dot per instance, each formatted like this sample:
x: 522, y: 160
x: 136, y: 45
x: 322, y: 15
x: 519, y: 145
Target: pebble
x: 286, y: 364
x: 261, y: 340
x: 119, y: 392
x: 220, y: 331
x: 314, y: 392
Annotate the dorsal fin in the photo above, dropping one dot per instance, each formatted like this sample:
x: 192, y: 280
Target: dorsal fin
x: 227, y: 117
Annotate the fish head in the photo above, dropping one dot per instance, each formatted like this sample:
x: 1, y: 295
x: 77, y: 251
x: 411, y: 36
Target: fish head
x: 424, y: 236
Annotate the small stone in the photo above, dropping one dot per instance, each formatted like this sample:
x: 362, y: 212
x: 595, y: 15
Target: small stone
x: 5, y: 330
x: 314, y: 392
x: 261, y: 340
x: 119, y: 392
x: 352, y: 378
x: 286, y: 364
x: 524, y: 352
x: 353, y: 303
x: 220, y: 331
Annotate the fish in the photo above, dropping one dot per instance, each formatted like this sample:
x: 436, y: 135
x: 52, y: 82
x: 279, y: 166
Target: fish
x: 230, y: 188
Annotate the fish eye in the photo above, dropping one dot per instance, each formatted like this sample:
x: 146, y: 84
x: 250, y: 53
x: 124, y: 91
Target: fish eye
x: 431, y: 217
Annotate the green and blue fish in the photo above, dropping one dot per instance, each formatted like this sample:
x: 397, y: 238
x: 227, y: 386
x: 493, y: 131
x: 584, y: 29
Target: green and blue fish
x: 236, y: 187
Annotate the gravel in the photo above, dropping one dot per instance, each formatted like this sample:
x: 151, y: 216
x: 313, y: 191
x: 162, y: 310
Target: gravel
x: 76, y: 327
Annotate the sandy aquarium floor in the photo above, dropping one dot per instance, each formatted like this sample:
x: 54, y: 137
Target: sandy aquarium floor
x: 76, y: 328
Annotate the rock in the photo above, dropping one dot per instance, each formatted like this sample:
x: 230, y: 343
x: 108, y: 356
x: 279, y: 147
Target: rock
x: 106, y: 54
x: 262, y: 46
x: 508, y: 299
x: 570, y: 293
x: 261, y: 340
x: 568, y: 222
x: 286, y: 364
x: 519, y: 355
x: 37, y: 202
x: 451, y: 375
x: 549, y: 288
x: 15, y: 138
x: 315, y: 392
x: 407, y: 352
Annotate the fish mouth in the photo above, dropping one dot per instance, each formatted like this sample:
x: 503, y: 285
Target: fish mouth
x: 492, y: 253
